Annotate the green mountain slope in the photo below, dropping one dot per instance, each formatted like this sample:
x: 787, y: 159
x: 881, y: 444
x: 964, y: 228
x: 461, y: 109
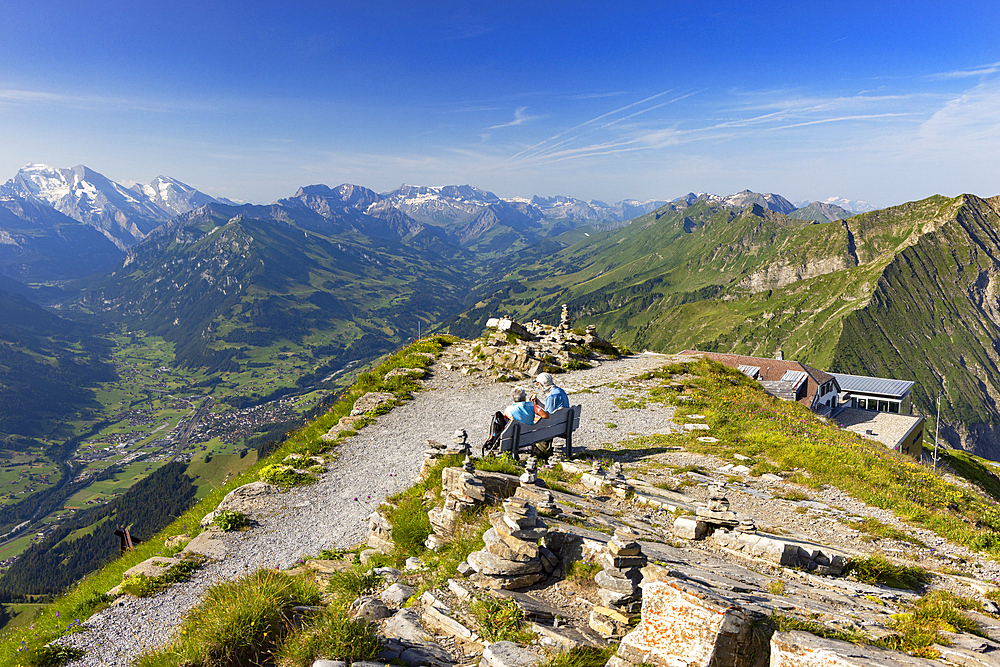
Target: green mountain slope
x: 909, y: 292
x: 224, y: 279
x: 48, y: 367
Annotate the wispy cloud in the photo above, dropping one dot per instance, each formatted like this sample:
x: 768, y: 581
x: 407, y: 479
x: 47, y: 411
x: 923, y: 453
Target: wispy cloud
x: 594, y: 96
x: 982, y: 70
x: 520, y: 118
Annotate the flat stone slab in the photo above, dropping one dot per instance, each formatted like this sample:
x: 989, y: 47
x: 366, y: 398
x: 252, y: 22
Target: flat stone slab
x: 533, y: 609
x: 370, y: 401
x: 405, y: 624
x: 206, y: 544
x: 509, y: 654
x: 566, y: 637
x: 156, y: 566
x: 801, y: 649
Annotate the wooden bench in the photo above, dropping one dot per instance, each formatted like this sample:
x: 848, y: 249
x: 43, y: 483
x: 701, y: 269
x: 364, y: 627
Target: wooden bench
x: 517, y: 437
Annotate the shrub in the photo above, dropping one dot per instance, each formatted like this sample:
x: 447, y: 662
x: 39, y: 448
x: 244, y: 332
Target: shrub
x: 229, y: 520
x: 284, y: 476
x: 141, y: 586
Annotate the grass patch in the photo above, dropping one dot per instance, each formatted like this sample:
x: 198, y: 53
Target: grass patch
x: 351, y: 584
x: 501, y: 620
x: 871, y: 526
x: 880, y: 570
x: 143, y: 586
x: 793, y: 495
x: 240, y: 622
x: 582, y: 572
x: 790, y: 437
x: 582, y: 656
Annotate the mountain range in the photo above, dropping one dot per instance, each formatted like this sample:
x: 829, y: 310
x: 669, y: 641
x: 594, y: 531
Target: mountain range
x: 38, y: 245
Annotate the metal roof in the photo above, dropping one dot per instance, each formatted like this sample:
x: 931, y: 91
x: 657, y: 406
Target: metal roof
x: 750, y: 371
x: 795, y: 377
x: 861, y: 384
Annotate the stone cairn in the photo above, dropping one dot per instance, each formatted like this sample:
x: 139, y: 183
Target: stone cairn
x: 718, y: 512
x: 459, y: 445
x: 564, y: 322
x: 618, y: 584
x: 619, y: 580
x: 534, y: 489
x: 463, y: 491
x: 616, y: 478
x: 512, y: 557
x: 526, y: 348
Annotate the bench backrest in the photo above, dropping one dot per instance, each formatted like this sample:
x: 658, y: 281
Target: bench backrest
x: 556, y: 426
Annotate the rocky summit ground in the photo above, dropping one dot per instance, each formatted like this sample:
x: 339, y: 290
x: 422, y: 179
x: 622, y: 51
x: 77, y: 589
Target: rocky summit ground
x: 386, y: 457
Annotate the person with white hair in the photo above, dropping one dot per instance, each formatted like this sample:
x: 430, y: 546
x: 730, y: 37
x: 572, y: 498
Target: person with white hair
x: 521, y: 409
x: 555, y: 397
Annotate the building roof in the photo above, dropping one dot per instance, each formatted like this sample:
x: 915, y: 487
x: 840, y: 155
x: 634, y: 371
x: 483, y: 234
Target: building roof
x: 887, y: 427
x: 775, y: 370
x: 862, y: 384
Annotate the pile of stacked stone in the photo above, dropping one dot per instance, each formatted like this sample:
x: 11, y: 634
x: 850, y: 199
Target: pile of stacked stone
x: 459, y: 445
x: 534, y: 489
x: 618, y: 584
x: 526, y: 348
x: 616, y: 479
x: 512, y: 557
x: 718, y: 513
x: 462, y: 491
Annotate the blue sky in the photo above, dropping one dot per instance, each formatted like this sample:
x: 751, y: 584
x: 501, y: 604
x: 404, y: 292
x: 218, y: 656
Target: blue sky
x: 880, y: 101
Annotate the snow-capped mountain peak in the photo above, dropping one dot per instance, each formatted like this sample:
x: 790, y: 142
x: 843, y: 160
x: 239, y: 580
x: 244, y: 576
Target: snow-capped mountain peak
x: 121, y: 213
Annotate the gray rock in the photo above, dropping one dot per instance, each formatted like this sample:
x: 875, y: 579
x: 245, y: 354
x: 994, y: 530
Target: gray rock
x: 689, y: 528
x: 397, y: 594
x: 509, y: 654
x: 244, y: 499
x: 487, y: 563
x: 426, y: 653
x: 413, y: 563
x: 330, y: 663
x: 405, y: 624
x: 369, y: 608
x: 611, y: 583
x: 370, y: 401
x: 206, y: 544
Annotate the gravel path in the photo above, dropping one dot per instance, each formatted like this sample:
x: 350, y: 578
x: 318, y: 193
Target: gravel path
x: 383, y: 459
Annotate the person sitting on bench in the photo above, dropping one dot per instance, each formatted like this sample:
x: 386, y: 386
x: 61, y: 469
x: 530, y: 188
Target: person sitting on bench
x: 555, y: 397
x: 521, y: 409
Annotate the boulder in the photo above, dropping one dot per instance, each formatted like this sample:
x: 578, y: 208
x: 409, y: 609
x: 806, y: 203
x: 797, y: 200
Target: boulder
x: 370, y: 401
x: 245, y: 499
x: 397, y: 595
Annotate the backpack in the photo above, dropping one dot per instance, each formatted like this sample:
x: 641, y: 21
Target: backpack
x: 497, y: 425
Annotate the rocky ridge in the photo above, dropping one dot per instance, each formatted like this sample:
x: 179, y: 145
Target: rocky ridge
x: 684, y: 581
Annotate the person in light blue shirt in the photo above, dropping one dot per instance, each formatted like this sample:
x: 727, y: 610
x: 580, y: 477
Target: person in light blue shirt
x: 555, y: 397
x: 521, y: 409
